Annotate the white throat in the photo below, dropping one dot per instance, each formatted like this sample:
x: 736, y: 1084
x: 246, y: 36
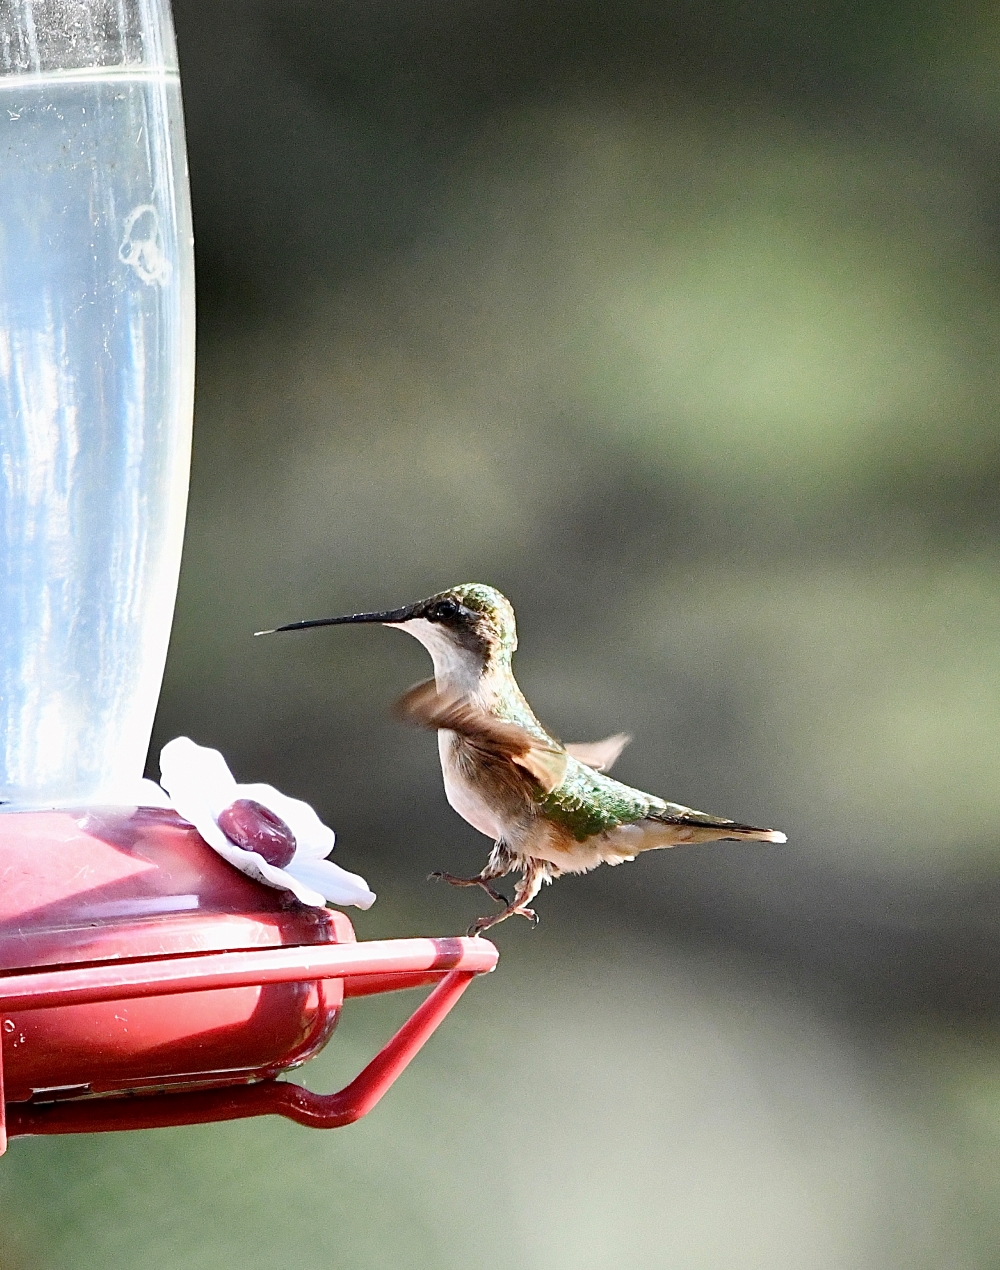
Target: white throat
x: 456, y: 669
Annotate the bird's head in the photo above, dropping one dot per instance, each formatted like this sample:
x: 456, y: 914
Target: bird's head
x: 469, y: 631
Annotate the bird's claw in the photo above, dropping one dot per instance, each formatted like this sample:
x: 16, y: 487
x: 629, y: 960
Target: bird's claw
x: 485, y: 923
x: 440, y: 876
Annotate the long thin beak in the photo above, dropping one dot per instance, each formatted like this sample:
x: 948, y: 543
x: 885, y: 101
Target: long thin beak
x: 389, y: 616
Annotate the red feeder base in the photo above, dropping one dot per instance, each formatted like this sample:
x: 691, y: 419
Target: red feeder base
x: 145, y: 982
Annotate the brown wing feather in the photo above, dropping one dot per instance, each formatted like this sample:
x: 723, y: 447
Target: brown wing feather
x: 494, y: 738
x: 600, y: 755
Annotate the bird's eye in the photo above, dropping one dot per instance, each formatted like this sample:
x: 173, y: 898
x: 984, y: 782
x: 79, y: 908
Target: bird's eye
x: 445, y: 609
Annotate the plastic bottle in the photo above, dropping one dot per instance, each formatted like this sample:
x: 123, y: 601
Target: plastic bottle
x: 96, y: 390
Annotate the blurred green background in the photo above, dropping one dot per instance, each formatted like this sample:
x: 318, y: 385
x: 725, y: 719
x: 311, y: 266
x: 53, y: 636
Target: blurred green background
x: 679, y: 324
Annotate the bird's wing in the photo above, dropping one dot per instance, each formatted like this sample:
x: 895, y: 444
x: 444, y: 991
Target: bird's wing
x: 425, y: 705
x: 600, y: 755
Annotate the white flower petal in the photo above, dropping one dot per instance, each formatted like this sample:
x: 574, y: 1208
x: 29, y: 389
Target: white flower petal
x: 313, y: 839
x: 339, y: 886
x: 198, y: 775
x: 186, y: 772
x: 201, y: 787
x: 256, y: 867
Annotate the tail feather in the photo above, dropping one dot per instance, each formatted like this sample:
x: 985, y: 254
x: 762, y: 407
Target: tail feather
x: 652, y: 833
x: 699, y: 827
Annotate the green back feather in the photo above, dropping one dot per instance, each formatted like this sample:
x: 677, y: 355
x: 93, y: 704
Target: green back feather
x: 588, y: 802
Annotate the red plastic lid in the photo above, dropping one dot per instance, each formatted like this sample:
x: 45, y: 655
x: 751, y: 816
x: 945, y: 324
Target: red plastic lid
x: 107, y: 883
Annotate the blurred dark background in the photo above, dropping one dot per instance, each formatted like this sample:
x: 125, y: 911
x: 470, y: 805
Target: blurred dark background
x: 678, y: 323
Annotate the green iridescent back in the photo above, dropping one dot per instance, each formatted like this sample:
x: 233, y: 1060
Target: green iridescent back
x: 588, y: 802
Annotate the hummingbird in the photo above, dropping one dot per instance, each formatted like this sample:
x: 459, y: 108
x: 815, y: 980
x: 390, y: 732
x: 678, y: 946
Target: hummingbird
x: 549, y: 808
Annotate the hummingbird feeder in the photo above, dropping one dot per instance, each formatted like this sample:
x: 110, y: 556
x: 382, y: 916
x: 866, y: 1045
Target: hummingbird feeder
x: 144, y: 981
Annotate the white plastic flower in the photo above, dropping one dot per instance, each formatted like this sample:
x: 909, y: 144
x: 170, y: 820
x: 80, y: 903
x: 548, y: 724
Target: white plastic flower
x: 277, y: 840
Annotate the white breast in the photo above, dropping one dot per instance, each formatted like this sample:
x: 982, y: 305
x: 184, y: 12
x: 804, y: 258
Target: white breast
x: 461, y: 795
x: 458, y: 671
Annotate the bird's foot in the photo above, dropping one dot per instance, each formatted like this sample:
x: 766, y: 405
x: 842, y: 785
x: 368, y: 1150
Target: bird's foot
x: 512, y: 910
x: 440, y: 876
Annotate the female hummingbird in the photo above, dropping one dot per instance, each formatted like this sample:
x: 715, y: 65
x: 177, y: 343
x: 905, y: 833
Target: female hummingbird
x: 549, y: 807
